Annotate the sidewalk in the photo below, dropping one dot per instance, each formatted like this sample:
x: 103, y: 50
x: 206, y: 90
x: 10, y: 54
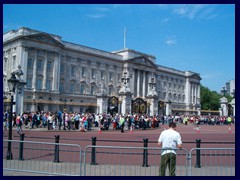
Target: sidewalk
x: 63, y: 169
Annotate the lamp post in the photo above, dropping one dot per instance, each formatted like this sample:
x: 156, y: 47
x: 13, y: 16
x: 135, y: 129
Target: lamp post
x: 13, y: 82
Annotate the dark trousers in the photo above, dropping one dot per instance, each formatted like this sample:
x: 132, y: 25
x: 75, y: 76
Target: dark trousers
x: 169, y: 160
x: 122, y: 128
x: 59, y: 123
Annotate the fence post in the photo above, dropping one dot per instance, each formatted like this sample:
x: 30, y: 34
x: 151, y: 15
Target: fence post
x: 56, y: 154
x: 145, y: 153
x: 198, y: 145
x: 21, y: 147
x: 93, y: 160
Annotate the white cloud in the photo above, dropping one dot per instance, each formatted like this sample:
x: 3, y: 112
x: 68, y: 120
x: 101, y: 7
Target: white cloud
x: 181, y: 10
x: 96, y: 16
x: 99, y: 12
x: 171, y: 41
x: 193, y: 11
x: 207, y: 14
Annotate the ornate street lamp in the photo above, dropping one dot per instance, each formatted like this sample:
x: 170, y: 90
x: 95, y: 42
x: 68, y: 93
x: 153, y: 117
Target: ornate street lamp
x: 12, y: 83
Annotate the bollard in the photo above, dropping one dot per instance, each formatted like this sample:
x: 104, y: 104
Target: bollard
x: 145, y: 153
x: 56, y: 151
x: 21, y: 147
x: 93, y: 160
x: 198, y: 163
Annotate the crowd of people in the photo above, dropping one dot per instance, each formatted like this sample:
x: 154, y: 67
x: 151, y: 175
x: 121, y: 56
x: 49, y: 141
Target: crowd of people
x: 85, y: 121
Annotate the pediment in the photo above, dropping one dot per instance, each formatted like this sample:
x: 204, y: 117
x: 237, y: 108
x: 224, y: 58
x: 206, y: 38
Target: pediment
x: 196, y: 76
x: 143, y: 61
x: 44, y: 38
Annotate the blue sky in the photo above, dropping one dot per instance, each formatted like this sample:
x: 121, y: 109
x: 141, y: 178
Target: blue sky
x: 198, y: 37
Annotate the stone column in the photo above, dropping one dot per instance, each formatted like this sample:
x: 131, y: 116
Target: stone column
x: 152, y: 96
x: 144, y: 84
x: 56, y: 72
x: 102, y: 104
x: 138, y: 83
x: 196, y: 94
x: 34, y: 71
x: 192, y: 93
x: 199, y: 111
x: 153, y: 105
x: 23, y: 61
x: 224, y: 102
x: 233, y: 105
x: 45, y: 71
x: 133, y: 82
x: 126, y: 103
x: 102, y: 99
x: 187, y: 93
x: 168, y: 108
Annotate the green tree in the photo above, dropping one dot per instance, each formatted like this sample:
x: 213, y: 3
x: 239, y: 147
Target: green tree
x: 210, y: 99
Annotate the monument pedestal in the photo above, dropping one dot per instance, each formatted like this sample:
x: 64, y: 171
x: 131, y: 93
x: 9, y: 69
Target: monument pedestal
x: 224, y: 102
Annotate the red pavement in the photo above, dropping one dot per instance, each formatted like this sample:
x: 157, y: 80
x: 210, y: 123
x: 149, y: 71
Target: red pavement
x: 189, y: 133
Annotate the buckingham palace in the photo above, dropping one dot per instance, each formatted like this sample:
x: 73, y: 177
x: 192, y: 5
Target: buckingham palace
x: 62, y: 75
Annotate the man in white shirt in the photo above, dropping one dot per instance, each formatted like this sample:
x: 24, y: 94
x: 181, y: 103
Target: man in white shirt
x: 169, y: 139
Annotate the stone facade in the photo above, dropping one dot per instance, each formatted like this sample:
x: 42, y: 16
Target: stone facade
x: 62, y: 75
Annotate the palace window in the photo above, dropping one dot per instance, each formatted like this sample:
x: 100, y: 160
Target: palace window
x: 39, y: 64
x: 49, y: 65
x: 110, y: 90
x: 29, y: 82
x: 82, y: 89
x: 5, y: 63
x: 30, y: 62
x: 71, y: 88
x: 102, y: 74
x: 110, y: 76
x: 72, y: 70
x: 92, y: 89
x: 93, y: 74
x: 61, y: 87
x: 49, y: 85
x: 14, y: 62
x: 83, y: 71
x: 39, y: 83
x: 119, y: 77
x: 62, y: 68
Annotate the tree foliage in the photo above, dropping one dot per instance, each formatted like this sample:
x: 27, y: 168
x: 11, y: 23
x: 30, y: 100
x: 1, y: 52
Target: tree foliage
x: 210, y: 99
